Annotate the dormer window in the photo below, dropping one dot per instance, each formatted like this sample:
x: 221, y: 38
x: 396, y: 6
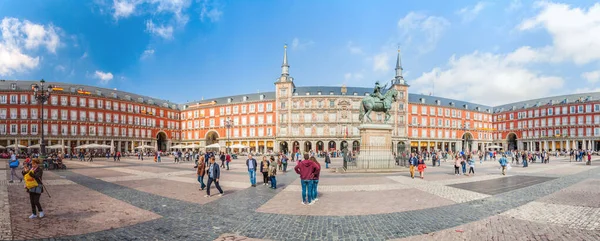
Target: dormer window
x: 355, y: 94
x: 98, y: 93
x: 245, y: 98
x: 127, y: 97
x: 466, y: 106
x: 166, y: 105
x: 319, y: 93
x: 140, y: 99
x: 477, y: 108
x: 73, y: 89
x: 229, y: 100
x: 150, y: 101
x: 422, y: 100
x: 451, y: 103
x: 307, y: 93
x: 13, y: 86
x: 262, y: 97
x: 330, y: 92
x: 438, y: 102
x: 114, y: 95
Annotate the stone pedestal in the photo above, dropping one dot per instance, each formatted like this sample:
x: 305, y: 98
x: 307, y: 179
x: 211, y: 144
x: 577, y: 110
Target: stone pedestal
x: 375, y: 148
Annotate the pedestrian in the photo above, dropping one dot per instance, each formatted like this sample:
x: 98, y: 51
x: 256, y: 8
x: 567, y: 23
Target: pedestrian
x: 14, y: 164
x: 213, y: 176
x: 158, y: 156
x: 327, y: 160
x: 589, y: 158
x: 279, y: 163
x: 456, y: 166
x: 118, y: 156
x: 413, y: 162
x: 200, y: 171
x: 251, y: 164
x: 227, y: 160
x: 421, y: 167
x: 463, y: 164
x: 284, y: 162
x: 503, y: 162
x: 222, y: 158
x: 315, y: 180
x: 273, y: 173
x: 472, y: 165
x: 306, y: 170
x: 264, y: 169
x: 34, y: 186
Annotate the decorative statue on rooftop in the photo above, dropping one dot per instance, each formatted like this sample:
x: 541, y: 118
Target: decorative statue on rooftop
x: 378, y: 102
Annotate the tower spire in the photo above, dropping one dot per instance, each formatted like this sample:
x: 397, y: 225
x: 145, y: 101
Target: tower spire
x: 285, y: 68
x: 399, y: 79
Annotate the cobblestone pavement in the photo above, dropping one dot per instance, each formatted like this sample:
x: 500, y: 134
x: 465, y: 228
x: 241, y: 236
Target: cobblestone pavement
x: 379, y: 206
x: 5, y: 224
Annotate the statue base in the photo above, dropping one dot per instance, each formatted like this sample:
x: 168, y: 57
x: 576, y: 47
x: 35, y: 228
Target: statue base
x: 375, y: 149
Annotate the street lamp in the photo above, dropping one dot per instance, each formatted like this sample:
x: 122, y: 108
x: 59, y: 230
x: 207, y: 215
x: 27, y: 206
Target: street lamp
x: 42, y: 94
x: 228, y: 125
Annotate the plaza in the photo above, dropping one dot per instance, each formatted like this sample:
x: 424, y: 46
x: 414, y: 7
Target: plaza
x: 144, y: 200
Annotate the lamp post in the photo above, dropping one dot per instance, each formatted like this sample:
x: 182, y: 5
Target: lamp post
x: 228, y: 125
x: 41, y: 93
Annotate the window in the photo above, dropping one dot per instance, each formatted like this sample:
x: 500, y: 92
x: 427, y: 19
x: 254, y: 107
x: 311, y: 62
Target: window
x: 414, y: 109
x: 269, y: 107
x: 423, y: 110
x: 13, y: 99
x: 431, y: 111
x: 235, y: 110
x: 23, y: 129
x: 251, y: 109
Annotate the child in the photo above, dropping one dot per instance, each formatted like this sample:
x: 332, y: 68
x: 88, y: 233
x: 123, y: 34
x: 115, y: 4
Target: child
x: 472, y: 165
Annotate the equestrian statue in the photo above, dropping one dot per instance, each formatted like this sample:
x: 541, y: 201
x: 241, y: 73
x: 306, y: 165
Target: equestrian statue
x: 378, y: 102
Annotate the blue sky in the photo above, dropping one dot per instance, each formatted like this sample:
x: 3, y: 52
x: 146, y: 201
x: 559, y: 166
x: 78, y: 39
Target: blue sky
x: 489, y: 52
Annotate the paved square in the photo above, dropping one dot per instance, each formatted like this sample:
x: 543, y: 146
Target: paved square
x: 501, y: 185
x: 145, y: 200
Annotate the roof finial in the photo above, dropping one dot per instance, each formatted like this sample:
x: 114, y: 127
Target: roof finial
x: 398, y: 79
x: 285, y: 67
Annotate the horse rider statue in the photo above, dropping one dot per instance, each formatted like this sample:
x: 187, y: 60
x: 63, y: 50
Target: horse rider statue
x: 377, y: 94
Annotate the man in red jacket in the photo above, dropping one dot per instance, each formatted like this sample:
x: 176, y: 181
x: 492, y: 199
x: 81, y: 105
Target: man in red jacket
x: 306, y: 169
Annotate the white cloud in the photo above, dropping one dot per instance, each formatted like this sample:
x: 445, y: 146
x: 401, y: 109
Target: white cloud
x: 147, y: 53
x: 163, y: 31
x: 487, y: 79
x: 591, y: 77
x: 60, y: 68
x: 353, y: 48
x: 19, y: 39
x: 353, y: 77
x: 470, y: 13
x: 575, y: 31
x: 85, y: 55
x: 420, y: 26
x: 124, y: 8
x: 104, y: 77
x: 297, y: 44
x: 210, y: 11
x: 381, y: 62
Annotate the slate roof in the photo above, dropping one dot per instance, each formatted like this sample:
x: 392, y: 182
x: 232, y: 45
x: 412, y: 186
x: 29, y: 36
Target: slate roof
x: 236, y: 98
x: 25, y: 85
x: 560, y: 99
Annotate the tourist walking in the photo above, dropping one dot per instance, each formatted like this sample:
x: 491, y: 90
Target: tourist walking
x: 315, y: 180
x: 273, y: 174
x: 412, y: 162
x: 503, y: 162
x: 284, y: 162
x: 421, y: 167
x: 35, y: 187
x: 227, y: 160
x: 306, y: 170
x: 214, y: 172
x: 251, y: 164
x: 200, y: 171
x: 327, y: 160
x: 456, y: 166
x: 264, y: 169
x: 472, y: 165
x: 222, y: 158
x: 14, y: 164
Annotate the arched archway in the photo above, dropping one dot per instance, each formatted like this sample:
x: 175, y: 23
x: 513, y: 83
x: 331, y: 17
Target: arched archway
x: 307, y: 146
x: 467, y: 142
x: 161, y: 141
x: 296, y: 147
x: 331, y: 146
x: 283, y: 147
x: 356, y: 146
x: 320, y: 146
x: 511, y: 139
x: 212, y: 137
x: 400, y: 147
x: 344, y: 146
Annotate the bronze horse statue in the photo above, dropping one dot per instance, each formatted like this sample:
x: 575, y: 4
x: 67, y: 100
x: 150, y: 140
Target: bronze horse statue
x: 369, y: 104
